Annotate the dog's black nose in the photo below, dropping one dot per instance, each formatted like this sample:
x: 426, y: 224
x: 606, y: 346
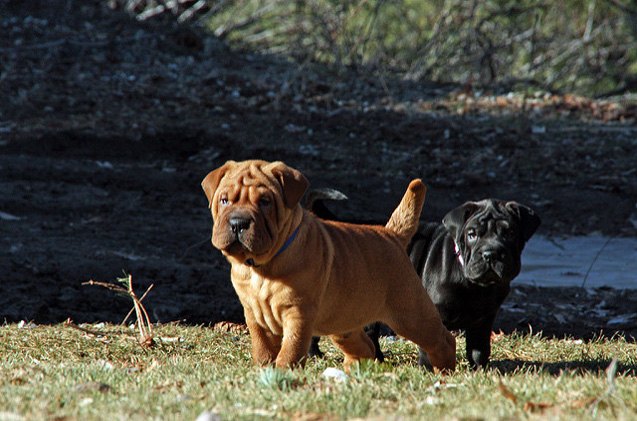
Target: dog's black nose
x: 239, y: 225
x: 488, y: 255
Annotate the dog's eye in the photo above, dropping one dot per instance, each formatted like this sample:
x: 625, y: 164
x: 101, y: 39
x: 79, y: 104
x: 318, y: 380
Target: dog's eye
x: 472, y: 235
x: 224, y: 201
x: 264, y: 201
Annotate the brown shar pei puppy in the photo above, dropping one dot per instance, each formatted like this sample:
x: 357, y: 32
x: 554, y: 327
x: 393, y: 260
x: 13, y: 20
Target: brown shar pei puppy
x: 298, y: 276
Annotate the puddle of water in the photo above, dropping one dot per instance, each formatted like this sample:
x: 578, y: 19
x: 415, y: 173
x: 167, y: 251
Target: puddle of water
x: 556, y: 262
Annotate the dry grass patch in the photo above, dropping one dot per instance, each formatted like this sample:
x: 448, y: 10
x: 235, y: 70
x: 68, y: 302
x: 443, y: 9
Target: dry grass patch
x: 103, y: 372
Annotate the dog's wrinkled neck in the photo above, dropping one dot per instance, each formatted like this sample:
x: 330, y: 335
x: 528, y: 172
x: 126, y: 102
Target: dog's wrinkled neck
x: 288, y: 241
x: 297, y: 221
x: 250, y: 262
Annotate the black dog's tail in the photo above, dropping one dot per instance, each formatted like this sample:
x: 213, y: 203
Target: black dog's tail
x: 314, y: 202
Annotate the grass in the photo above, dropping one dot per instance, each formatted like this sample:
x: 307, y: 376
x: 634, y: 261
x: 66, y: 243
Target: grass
x: 63, y: 373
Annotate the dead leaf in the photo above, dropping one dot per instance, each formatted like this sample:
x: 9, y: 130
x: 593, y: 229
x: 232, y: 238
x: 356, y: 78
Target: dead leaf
x: 583, y: 403
x: 147, y: 342
x: 497, y: 336
x: 311, y: 417
x: 501, y: 101
x: 230, y: 327
x: 93, y: 387
x: 17, y: 381
x: 507, y: 393
x: 537, y: 406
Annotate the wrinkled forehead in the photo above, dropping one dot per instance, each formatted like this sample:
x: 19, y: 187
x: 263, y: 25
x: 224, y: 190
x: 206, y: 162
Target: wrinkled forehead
x: 490, y: 214
x: 250, y: 178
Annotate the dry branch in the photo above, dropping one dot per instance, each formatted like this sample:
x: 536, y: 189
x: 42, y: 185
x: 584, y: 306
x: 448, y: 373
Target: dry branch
x: 144, y: 324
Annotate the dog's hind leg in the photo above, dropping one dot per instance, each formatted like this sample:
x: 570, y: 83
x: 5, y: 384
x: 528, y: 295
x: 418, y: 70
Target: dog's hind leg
x: 420, y: 323
x: 373, y: 331
x: 356, y: 346
x: 315, y: 349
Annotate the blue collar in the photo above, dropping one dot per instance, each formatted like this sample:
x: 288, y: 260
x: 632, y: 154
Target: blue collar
x: 250, y: 262
x: 288, y: 241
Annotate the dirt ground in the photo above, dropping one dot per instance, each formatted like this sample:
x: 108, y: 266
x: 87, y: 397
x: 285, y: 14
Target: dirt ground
x: 108, y: 125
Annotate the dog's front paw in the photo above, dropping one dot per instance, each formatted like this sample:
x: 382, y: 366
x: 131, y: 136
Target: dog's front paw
x: 478, y: 358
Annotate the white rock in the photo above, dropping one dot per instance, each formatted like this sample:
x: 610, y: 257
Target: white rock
x: 334, y: 373
x: 208, y: 416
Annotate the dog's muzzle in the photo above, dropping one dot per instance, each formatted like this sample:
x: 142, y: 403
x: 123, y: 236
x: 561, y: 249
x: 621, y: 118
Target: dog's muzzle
x: 487, y: 267
x: 237, y: 234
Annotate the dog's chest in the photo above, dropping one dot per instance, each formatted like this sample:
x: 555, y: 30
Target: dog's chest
x: 467, y: 307
x: 262, y: 297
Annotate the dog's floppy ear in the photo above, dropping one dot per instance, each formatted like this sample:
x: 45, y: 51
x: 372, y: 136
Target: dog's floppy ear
x: 293, y: 183
x: 455, y: 219
x: 212, y: 180
x: 529, y: 221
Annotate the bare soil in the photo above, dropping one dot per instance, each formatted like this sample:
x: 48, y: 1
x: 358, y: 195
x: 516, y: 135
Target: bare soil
x: 108, y: 126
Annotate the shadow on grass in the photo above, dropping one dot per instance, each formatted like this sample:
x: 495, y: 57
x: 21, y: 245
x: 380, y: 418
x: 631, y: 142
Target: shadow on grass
x: 507, y: 366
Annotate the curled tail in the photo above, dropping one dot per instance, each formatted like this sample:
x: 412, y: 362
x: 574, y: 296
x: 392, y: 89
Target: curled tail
x: 405, y: 219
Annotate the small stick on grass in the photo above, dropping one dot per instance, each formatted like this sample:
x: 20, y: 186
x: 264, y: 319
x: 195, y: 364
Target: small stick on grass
x: 68, y: 322
x: 140, y: 300
x: 143, y: 321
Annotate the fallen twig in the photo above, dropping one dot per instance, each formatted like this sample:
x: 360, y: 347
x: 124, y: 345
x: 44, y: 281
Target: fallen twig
x: 143, y: 321
x: 70, y: 323
x: 590, y: 267
x: 106, y: 285
x: 140, y: 300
